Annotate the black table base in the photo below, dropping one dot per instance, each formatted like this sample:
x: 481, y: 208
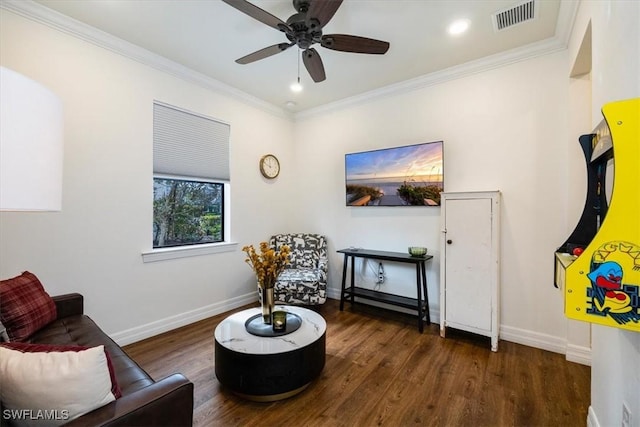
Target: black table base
x: 269, y: 377
x: 420, y: 303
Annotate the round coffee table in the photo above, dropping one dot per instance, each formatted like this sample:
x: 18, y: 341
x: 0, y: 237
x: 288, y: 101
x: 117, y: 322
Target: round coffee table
x: 266, y: 369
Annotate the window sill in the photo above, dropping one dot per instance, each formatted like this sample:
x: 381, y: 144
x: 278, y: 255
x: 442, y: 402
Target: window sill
x: 164, y: 254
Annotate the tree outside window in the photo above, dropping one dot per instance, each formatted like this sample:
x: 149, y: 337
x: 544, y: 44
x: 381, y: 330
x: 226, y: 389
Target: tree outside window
x: 187, y: 212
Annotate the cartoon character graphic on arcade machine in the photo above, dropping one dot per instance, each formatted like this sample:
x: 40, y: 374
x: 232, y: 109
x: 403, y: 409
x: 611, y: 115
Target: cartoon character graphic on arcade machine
x: 607, y: 279
x: 611, y: 294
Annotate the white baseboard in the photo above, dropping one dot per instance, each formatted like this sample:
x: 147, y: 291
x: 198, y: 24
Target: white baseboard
x: 533, y: 339
x: 579, y: 354
x: 573, y: 353
x: 163, y: 325
x: 592, y: 419
x: 333, y: 293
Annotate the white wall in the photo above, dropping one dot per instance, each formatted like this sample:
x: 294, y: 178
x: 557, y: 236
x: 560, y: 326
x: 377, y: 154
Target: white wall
x: 94, y: 245
x: 504, y: 129
x: 615, y: 373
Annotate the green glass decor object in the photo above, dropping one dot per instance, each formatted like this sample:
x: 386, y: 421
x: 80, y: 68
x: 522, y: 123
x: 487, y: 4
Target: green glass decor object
x: 279, y: 320
x: 417, y: 251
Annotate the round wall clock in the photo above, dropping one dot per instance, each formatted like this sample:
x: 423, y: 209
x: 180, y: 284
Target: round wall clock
x: 269, y: 166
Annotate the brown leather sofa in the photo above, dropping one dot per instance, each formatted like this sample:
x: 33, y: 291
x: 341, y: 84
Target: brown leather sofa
x: 144, y: 402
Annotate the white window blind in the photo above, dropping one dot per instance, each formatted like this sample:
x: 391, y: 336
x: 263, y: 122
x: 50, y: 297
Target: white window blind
x: 189, y: 145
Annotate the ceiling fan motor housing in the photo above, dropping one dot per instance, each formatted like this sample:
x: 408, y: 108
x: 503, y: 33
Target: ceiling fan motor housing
x: 303, y: 35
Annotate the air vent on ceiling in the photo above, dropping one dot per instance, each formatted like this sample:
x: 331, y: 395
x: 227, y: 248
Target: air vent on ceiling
x: 514, y: 15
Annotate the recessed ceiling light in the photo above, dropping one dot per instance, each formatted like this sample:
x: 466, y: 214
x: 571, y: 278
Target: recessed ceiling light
x: 459, y: 27
x: 290, y: 104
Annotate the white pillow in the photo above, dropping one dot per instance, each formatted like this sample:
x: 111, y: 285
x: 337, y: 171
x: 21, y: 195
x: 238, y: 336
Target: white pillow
x: 52, y: 388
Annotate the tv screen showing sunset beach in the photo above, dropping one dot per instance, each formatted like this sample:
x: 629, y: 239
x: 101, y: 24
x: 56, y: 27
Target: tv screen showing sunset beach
x: 401, y: 176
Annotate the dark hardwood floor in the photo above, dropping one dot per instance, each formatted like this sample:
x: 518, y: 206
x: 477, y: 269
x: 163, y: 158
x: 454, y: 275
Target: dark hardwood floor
x: 380, y: 371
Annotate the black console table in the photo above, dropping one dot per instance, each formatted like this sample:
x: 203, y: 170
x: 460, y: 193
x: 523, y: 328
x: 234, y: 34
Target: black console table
x: 420, y: 304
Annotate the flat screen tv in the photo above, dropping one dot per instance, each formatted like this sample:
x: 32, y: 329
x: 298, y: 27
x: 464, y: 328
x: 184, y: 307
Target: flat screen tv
x: 411, y: 175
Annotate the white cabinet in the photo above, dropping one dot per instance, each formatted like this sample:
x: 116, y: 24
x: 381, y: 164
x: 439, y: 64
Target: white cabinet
x: 470, y: 266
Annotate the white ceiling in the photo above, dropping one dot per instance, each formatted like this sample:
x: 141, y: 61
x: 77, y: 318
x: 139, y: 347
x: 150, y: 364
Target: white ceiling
x: 207, y: 36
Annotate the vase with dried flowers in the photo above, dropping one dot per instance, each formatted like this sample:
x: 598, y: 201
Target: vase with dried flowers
x: 267, y: 265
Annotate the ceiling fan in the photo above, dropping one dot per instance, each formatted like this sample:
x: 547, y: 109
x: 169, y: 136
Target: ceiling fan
x: 304, y: 29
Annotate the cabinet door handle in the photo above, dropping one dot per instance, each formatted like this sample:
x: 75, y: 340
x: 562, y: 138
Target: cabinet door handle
x: 449, y: 242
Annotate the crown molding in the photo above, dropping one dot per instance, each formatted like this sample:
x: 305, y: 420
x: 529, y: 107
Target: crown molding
x: 53, y: 19
x: 566, y: 19
x: 36, y: 12
x: 488, y: 63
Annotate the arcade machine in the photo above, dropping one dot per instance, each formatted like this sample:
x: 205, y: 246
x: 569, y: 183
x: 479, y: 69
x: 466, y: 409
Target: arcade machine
x: 598, y: 267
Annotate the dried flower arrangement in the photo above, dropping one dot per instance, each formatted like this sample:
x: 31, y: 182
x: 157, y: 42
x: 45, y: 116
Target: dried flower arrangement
x: 268, y: 264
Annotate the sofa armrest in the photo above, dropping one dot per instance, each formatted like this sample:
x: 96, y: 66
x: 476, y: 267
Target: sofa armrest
x: 69, y: 305
x: 168, y: 402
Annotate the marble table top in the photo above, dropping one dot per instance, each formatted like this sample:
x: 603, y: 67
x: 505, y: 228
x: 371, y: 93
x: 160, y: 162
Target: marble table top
x: 232, y: 334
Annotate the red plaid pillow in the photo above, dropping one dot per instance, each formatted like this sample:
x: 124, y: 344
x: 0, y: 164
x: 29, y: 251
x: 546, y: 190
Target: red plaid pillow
x: 25, y: 306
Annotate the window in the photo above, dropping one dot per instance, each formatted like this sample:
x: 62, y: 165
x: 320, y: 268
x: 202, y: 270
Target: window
x: 187, y: 212
x: 190, y: 178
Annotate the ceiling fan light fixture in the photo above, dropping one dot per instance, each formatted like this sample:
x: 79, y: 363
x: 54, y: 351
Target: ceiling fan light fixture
x: 458, y: 27
x: 296, y: 86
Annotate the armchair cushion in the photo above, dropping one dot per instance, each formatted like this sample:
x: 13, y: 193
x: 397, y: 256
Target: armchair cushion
x: 304, y: 280
x: 300, y: 275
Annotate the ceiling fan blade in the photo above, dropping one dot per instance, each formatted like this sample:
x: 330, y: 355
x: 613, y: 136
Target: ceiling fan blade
x: 355, y: 44
x: 259, y: 14
x: 313, y: 63
x: 264, y: 53
x: 322, y: 11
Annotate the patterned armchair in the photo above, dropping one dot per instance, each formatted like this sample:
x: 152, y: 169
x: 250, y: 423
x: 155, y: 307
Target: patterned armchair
x: 304, y: 281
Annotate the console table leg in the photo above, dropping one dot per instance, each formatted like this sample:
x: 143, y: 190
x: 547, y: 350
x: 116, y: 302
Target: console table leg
x: 423, y: 267
x: 353, y: 283
x: 344, y: 278
x: 419, y: 288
